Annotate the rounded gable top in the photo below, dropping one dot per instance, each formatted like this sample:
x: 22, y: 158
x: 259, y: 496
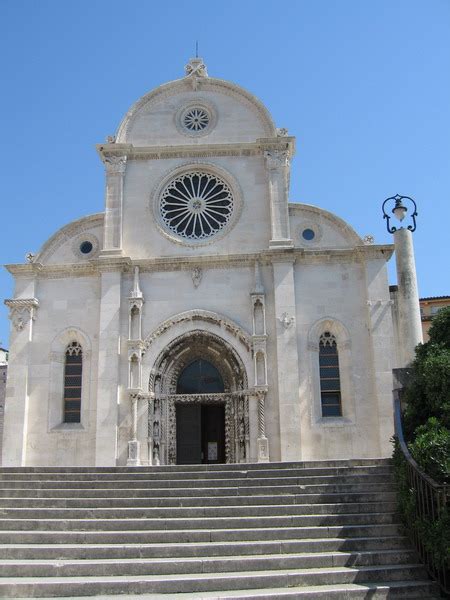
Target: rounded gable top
x: 77, y: 241
x: 315, y: 228
x: 196, y: 109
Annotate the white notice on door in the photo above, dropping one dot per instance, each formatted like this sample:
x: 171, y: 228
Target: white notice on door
x: 212, y: 450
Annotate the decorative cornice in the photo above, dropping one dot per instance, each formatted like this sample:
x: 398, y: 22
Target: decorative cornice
x: 181, y: 263
x: 283, y: 145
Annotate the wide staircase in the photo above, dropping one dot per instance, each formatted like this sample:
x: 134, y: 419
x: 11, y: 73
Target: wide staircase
x: 288, y: 530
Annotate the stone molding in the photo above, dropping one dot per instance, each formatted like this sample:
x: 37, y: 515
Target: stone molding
x: 180, y: 263
x: 21, y: 311
x: 201, y: 315
x: 262, y: 147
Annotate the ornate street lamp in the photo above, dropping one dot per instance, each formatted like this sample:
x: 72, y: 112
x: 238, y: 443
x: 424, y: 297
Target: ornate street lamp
x: 407, y: 320
x: 400, y: 211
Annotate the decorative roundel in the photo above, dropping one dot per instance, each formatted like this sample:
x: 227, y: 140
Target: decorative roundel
x: 86, y: 246
x: 196, y: 205
x: 309, y: 233
x: 196, y: 119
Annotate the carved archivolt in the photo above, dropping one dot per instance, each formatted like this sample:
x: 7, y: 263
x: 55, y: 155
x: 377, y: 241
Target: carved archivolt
x: 194, y: 316
x: 163, y: 384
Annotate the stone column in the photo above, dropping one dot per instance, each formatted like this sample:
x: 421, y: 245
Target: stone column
x: 112, y: 237
x: 409, y: 321
x: 22, y: 315
x: 277, y: 162
x: 108, y: 368
x: 287, y: 358
x: 133, y: 445
x: 262, y: 441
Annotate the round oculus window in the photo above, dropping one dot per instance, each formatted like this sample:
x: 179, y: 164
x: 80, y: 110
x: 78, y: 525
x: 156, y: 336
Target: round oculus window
x: 196, y: 119
x: 196, y: 205
x: 308, y: 234
x: 86, y: 247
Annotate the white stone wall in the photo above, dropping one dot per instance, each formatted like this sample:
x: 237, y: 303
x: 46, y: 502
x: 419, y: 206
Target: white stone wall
x: 330, y: 282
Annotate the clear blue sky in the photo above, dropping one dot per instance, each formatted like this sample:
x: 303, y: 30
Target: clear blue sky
x: 364, y: 85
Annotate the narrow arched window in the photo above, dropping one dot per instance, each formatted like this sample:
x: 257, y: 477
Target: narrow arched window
x: 73, y: 372
x: 330, y: 383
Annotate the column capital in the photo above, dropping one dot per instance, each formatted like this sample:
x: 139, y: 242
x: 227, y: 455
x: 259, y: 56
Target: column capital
x: 115, y: 164
x: 275, y: 159
x: 21, y: 311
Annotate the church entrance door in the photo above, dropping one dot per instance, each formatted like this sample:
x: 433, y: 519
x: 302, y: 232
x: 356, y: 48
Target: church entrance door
x: 200, y: 433
x: 200, y: 427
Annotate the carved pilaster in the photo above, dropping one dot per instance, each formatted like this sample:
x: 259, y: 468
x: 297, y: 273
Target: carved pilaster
x: 115, y: 167
x: 133, y: 444
x: 135, y: 304
x: 278, y: 164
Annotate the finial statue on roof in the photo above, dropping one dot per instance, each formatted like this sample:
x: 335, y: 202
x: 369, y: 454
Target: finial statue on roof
x: 196, y: 68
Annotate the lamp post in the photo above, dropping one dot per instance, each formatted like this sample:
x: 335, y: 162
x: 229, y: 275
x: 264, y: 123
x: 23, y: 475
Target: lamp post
x: 408, y: 309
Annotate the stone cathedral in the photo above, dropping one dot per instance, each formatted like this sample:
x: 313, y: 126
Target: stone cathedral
x: 202, y: 317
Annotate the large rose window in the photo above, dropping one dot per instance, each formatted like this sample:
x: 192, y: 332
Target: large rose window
x: 196, y: 205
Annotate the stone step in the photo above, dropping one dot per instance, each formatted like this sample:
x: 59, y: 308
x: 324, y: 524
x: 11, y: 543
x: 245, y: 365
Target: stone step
x: 196, y: 535
x: 199, y: 549
x: 404, y: 590
x: 193, y: 476
x: 202, y: 582
x: 93, y: 491
x: 101, y: 482
x: 128, y: 501
x: 165, y: 512
x: 229, y: 468
x: 188, y: 523
x: 217, y: 564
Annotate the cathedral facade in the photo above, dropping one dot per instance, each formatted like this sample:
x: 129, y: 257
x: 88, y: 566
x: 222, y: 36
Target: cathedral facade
x: 202, y: 317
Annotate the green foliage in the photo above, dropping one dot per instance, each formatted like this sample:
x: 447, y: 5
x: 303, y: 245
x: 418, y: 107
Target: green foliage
x: 440, y: 328
x: 431, y: 450
x: 427, y: 431
x: 435, y: 535
x: 428, y: 392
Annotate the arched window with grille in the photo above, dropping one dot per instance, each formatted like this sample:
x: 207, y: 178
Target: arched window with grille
x: 330, y: 382
x: 73, y: 372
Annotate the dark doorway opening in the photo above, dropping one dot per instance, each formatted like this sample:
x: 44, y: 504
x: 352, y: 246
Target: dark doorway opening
x: 200, y: 433
x: 200, y: 426
x: 200, y: 377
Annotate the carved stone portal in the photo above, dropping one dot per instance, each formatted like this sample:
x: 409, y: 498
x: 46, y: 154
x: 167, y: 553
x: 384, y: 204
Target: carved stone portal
x: 163, y: 385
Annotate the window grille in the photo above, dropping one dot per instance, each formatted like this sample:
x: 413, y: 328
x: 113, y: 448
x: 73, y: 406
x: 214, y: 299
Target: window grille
x: 330, y: 383
x: 73, y: 371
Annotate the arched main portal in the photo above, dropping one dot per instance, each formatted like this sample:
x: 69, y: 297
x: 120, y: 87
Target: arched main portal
x: 199, y: 412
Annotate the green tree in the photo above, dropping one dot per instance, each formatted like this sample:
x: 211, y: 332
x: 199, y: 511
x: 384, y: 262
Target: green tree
x: 428, y: 391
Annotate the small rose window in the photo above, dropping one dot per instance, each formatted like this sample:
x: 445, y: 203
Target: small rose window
x: 196, y: 119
